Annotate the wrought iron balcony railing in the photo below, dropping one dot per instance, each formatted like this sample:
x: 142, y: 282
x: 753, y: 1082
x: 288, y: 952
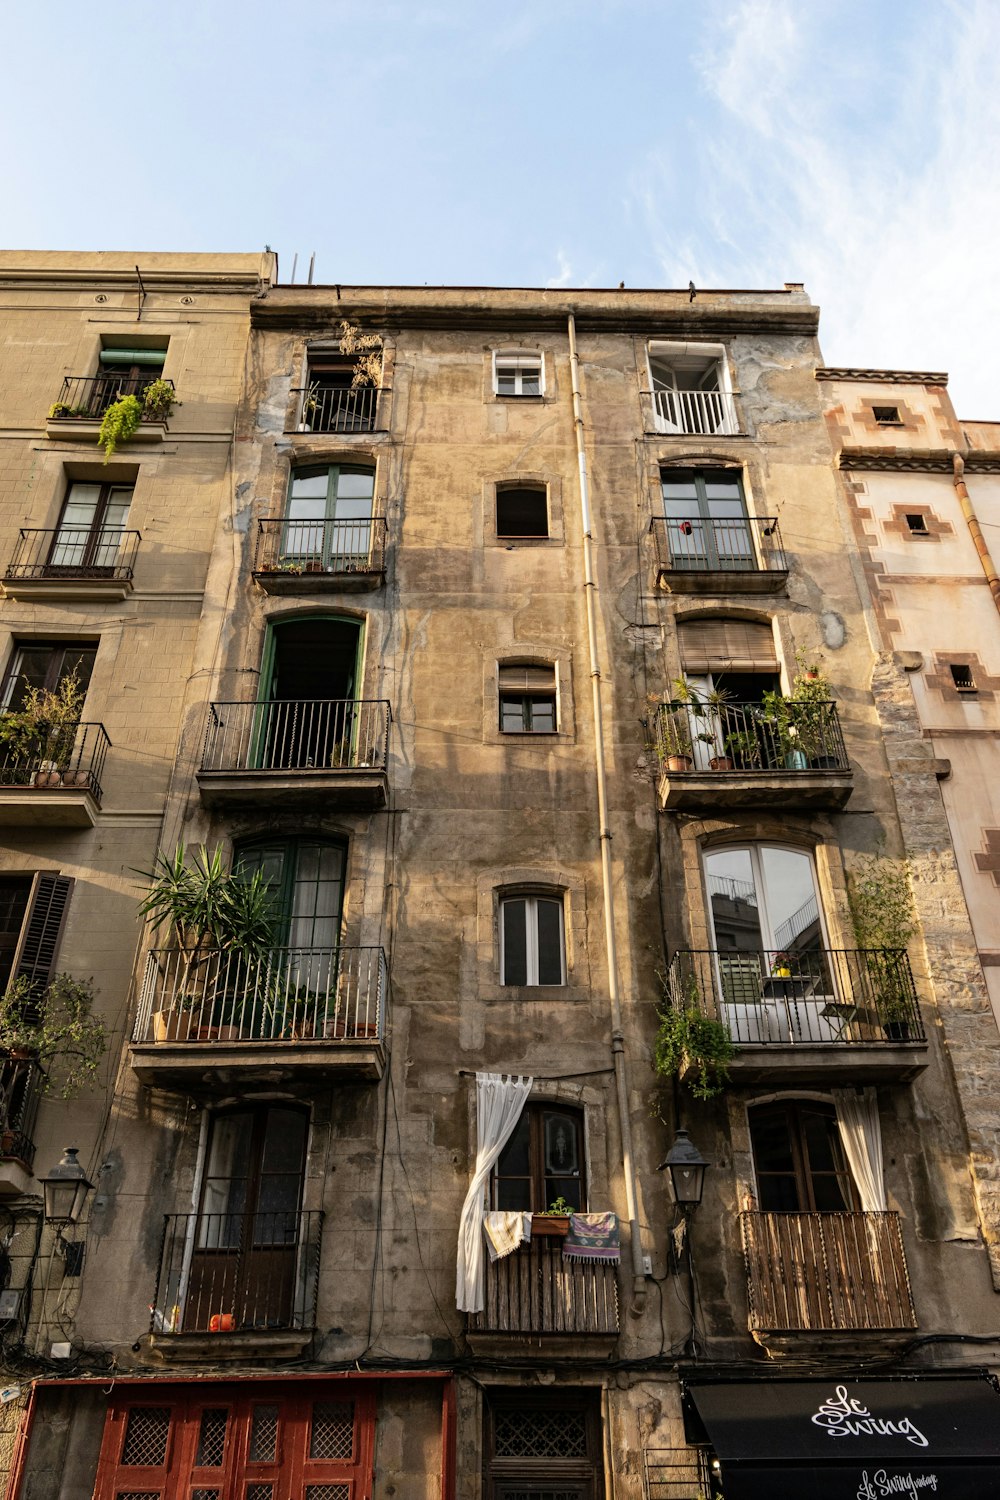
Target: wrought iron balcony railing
x: 288, y: 734
x: 748, y: 544
x: 537, y: 1291
x: 698, y: 412
x: 22, y: 1080
x: 237, y: 1273
x: 336, y: 409
x: 87, y: 397
x: 307, y: 548
x: 74, y: 552
x: 744, y: 737
x: 71, y: 757
x: 826, y: 1272
x: 839, y: 997
x: 323, y: 995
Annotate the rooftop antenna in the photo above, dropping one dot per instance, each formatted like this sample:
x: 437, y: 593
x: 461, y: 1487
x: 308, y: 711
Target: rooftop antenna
x: 312, y: 262
x: 295, y: 261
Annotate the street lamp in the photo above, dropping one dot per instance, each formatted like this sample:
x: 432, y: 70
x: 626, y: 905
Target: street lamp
x: 65, y: 1190
x: 686, y: 1166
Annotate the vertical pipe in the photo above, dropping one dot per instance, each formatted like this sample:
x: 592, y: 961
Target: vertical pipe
x: 975, y: 530
x: 604, y: 835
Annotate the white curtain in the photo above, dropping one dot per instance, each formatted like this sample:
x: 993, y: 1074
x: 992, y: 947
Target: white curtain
x: 499, y: 1102
x: 861, y: 1137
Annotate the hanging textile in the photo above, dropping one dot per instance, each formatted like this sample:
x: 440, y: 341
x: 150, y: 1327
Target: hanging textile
x: 861, y: 1138
x: 499, y: 1102
x: 506, y: 1232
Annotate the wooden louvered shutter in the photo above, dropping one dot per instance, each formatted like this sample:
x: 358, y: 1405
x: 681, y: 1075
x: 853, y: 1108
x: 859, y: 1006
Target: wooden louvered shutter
x: 38, y: 947
x: 724, y: 644
x: 527, y: 678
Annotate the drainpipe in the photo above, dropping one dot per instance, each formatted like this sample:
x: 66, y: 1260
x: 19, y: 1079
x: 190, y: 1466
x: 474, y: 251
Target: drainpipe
x: 975, y: 530
x: 604, y: 833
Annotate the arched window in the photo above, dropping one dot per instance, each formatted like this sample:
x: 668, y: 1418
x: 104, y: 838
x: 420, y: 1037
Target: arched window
x: 542, y: 1161
x: 799, y: 1159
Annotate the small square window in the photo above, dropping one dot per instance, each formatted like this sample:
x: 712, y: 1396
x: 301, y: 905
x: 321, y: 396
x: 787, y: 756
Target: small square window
x: 517, y: 374
x: 887, y: 415
x: 917, y: 525
x: 528, y: 700
x: 522, y: 511
x: 961, y: 676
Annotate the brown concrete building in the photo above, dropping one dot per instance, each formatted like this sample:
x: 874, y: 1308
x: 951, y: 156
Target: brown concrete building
x: 499, y: 668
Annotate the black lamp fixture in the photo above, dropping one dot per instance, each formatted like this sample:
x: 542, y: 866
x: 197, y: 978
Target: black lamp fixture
x: 686, y: 1166
x: 65, y: 1190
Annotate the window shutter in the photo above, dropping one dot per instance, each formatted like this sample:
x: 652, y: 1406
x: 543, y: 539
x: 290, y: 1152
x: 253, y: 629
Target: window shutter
x: 38, y: 946
x: 739, y: 645
x: 527, y: 678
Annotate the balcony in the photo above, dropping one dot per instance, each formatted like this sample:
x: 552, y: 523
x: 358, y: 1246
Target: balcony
x: 734, y: 556
x: 320, y: 557
x: 57, y: 783
x: 291, y: 752
x: 698, y: 413
x: 340, y: 408
x: 303, y: 1015
x: 22, y: 1080
x: 735, y: 755
x: 536, y: 1297
x: 825, y: 1273
x: 827, y: 1016
x: 84, y: 399
x: 231, y: 1286
x: 73, y: 562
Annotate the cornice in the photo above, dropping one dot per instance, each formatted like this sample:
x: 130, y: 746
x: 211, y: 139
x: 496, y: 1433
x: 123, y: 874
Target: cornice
x: 883, y: 377
x: 917, y: 461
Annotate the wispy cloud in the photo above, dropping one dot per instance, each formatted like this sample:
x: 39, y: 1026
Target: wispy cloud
x: 874, y: 180
x: 565, y: 276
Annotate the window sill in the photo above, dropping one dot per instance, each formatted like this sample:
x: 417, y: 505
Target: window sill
x: 518, y: 993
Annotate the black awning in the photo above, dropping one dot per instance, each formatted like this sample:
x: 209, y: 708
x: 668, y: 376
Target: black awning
x: 855, y: 1439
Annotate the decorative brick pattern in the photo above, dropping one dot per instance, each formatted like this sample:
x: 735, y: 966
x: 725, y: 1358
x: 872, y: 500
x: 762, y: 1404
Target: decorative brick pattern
x: 989, y: 862
x: 940, y: 680
x: 898, y: 526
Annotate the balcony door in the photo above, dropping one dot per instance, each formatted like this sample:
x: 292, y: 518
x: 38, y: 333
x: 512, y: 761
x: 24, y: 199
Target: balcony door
x: 328, y: 525
x: 799, y: 1159
x: 90, y: 529
x: 244, y: 1256
x: 772, y: 972
x: 308, y: 684
x: 708, y: 528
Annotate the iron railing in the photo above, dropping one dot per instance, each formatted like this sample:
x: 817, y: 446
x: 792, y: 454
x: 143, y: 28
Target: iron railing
x: 87, y: 397
x: 744, y: 737
x: 290, y: 734
x: 747, y: 544
x: 237, y: 1273
x: 22, y: 1082
x: 72, y: 756
x: 74, y: 552
x: 702, y: 412
x: 323, y: 995
x: 339, y: 409
x: 826, y: 1271
x: 680, y: 1474
x: 537, y: 1291
x: 836, y: 996
x: 308, y: 547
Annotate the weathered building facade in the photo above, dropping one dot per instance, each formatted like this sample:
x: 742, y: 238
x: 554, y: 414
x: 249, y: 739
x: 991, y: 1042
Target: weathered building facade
x: 539, y: 677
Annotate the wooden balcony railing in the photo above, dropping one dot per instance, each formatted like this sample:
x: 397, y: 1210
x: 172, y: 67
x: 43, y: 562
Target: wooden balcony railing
x: 835, y: 1271
x: 536, y: 1291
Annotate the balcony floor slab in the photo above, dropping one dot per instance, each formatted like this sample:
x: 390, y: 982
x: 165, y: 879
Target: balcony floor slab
x: 213, y: 1068
x: 690, y: 791
x: 361, y: 787
x: 93, y: 590
x: 721, y: 581
x: 15, y: 1179
x: 230, y: 1348
x: 361, y: 580
x: 842, y: 1063
x: 47, y: 807
x: 85, y: 429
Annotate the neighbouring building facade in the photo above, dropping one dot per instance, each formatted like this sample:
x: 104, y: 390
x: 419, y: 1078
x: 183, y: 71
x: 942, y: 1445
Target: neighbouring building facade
x: 533, y: 651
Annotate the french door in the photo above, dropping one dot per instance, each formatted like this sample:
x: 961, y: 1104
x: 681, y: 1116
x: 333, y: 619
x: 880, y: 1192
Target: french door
x: 306, y: 714
x: 328, y: 526
x: 285, y: 1441
x: 90, y: 528
x: 706, y: 516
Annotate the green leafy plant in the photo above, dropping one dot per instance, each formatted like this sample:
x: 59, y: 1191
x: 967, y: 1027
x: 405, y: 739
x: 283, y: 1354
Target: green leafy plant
x: 157, y: 400
x: 693, y: 1046
x: 800, y: 718
x: 120, y: 422
x: 59, y: 409
x: 882, y: 914
x: 744, y: 746
x: 45, y: 725
x: 558, y: 1208
x: 367, y: 351
x: 57, y: 1026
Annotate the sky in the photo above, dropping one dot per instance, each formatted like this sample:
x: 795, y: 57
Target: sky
x: 736, y: 143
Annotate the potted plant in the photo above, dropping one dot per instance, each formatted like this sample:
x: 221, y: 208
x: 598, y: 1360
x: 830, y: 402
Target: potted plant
x: 705, y: 712
x: 54, y: 1024
x: 119, y: 423
x: 59, y: 409
x: 693, y: 1047
x: 800, y: 719
x: 205, y: 908
x: 552, y: 1221
x: 157, y: 401
x: 39, y: 737
x: 744, y: 747
x: 881, y: 906
x: 673, y: 736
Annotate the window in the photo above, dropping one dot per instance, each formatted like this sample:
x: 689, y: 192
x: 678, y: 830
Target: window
x: 522, y: 511
x: 542, y: 1161
x: 331, y: 402
x: 328, y: 524
x: 547, y: 1447
x: 528, y: 699
x: 517, y: 374
x: 532, y: 940
x: 90, y: 529
x: 123, y: 372
x: 887, y: 416
x: 961, y: 676
x: 799, y: 1159
x: 917, y: 524
x: 306, y: 879
x: 32, y: 915
x: 37, y: 664
x: 690, y: 385
x: 706, y: 520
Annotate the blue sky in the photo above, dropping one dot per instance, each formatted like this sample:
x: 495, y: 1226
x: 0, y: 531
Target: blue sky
x: 741, y: 143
